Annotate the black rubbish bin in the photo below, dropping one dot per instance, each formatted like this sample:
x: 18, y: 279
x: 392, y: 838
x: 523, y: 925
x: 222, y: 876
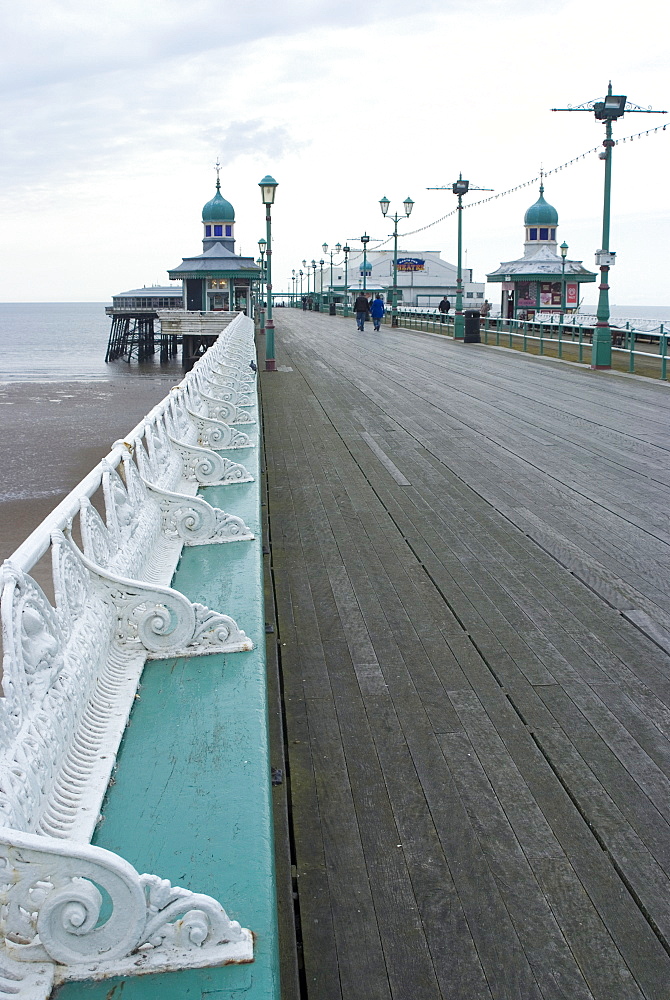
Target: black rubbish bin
x: 333, y: 309
x: 472, y: 319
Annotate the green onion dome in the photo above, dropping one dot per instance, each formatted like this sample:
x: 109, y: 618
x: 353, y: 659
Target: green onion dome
x: 218, y: 209
x: 541, y: 213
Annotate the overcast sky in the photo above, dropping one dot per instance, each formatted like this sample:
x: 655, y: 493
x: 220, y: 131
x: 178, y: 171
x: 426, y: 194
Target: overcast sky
x: 114, y: 114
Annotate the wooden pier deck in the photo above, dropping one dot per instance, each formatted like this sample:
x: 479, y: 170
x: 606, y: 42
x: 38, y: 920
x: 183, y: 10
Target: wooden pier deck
x: 470, y: 559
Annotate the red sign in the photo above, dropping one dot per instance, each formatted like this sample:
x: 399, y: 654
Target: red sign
x: 572, y: 294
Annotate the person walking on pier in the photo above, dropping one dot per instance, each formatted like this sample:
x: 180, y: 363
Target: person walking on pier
x: 362, y: 310
x: 377, y: 310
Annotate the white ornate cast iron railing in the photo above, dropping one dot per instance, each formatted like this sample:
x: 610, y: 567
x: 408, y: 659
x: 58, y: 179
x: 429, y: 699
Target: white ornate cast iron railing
x: 71, y: 667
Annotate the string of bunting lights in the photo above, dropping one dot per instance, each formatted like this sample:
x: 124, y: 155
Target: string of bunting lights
x: 518, y: 187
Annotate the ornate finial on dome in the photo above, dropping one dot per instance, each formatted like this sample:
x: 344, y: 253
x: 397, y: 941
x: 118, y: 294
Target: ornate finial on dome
x: 218, y: 209
x: 541, y: 213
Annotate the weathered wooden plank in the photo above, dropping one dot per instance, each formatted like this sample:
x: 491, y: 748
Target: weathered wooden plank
x: 448, y: 607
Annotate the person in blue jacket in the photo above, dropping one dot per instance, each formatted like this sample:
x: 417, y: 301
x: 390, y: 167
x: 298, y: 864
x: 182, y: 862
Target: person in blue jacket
x: 377, y: 310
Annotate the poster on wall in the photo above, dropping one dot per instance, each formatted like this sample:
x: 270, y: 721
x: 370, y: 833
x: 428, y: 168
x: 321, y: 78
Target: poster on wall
x: 550, y: 294
x: 526, y: 293
x: 572, y: 294
x: 411, y: 264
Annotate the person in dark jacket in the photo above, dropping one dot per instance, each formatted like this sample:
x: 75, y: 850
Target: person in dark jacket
x: 444, y: 307
x: 377, y: 310
x: 362, y: 310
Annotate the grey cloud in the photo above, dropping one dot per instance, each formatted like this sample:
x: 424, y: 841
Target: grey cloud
x: 252, y: 137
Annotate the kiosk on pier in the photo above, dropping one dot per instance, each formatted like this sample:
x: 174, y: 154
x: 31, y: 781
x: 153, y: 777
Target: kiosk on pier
x: 542, y: 280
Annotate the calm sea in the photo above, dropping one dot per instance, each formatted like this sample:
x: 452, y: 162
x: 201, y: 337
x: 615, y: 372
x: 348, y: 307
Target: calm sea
x: 648, y: 316
x: 66, y: 341
x: 63, y: 342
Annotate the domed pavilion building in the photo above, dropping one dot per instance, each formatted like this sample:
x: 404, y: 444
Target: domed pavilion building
x: 543, y: 280
x: 217, y: 280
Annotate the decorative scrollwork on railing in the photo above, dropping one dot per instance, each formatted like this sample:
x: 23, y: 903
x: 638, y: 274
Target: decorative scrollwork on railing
x: 51, y: 908
x: 72, y: 583
x: 221, y: 392
x: 195, y: 522
x: 163, y: 461
x: 70, y: 672
x: 47, y: 682
x: 218, y: 435
x: 33, y: 641
x: 163, y: 621
x: 244, y: 375
x: 207, y: 468
x: 221, y: 409
x: 122, y: 510
x: 99, y: 544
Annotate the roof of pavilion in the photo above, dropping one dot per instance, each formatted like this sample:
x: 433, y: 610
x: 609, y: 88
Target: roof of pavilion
x: 540, y: 266
x: 212, y: 262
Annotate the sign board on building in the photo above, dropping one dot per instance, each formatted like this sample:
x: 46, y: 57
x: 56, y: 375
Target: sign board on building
x: 572, y: 294
x: 411, y: 264
x: 526, y: 293
x: 550, y: 293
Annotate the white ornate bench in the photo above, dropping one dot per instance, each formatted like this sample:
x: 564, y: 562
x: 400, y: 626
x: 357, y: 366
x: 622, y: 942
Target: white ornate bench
x: 71, y: 667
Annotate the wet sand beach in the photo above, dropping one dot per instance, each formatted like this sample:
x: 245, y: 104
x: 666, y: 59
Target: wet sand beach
x: 53, y: 433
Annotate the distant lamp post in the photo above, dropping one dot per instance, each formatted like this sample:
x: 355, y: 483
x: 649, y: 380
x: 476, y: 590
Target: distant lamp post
x: 316, y: 301
x: 601, y: 354
x: 346, y: 250
x: 384, y: 204
x: 304, y: 264
x: 459, y: 187
x: 262, y: 246
x: 337, y: 250
x: 301, y: 272
x: 293, y: 295
x: 324, y: 247
x: 365, y: 239
x: 321, y: 263
x: 564, y: 254
x: 613, y: 106
x: 268, y: 187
